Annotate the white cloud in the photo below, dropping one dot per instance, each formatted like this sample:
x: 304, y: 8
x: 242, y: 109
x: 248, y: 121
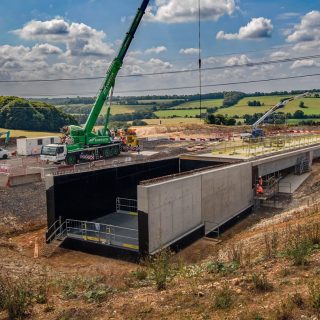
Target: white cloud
x: 177, y: 11
x: 156, y: 50
x: 235, y: 61
x: 308, y: 29
x: 47, y: 48
x: 287, y: 15
x: 305, y: 64
x: 189, y: 51
x: 279, y: 55
x: 257, y: 28
x: 80, y: 39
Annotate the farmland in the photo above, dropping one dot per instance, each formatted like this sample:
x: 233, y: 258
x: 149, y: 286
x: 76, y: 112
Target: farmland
x: 242, y: 108
x: 205, y: 103
x: 179, y: 113
x: 28, y: 134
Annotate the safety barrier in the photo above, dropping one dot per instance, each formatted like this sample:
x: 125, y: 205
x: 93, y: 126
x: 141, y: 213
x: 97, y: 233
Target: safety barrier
x: 124, y: 204
x: 102, y: 233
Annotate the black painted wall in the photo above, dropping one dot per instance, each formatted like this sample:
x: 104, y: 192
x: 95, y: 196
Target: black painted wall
x: 89, y: 195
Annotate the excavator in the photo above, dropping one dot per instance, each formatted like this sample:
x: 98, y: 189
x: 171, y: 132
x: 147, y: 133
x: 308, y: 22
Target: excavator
x: 258, y: 133
x: 7, y: 138
x: 83, y: 142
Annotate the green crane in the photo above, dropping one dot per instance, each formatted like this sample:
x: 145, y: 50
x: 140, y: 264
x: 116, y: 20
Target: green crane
x: 82, y: 142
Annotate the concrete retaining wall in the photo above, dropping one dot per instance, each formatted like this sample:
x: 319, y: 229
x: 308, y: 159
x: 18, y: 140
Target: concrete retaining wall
x: 24, y: 179
x: 226, y: 192
x: 178, y: 206
x: 173, y: 207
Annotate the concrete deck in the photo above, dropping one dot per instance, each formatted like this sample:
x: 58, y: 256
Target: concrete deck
x: 292, y: 182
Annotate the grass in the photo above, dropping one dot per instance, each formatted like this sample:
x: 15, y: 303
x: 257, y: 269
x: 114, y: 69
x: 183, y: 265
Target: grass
x: 179, y: 113
x: 223, y: 298
x: 172, y: 121
x: 242, y: 108
x: 29, y: 134
x: 261, y: 283
x: 205, y: 104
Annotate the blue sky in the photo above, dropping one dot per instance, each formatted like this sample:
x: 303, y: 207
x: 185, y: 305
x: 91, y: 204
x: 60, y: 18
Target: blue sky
x: 78, y: 38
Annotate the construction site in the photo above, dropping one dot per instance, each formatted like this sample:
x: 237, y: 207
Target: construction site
x: 183, y: 221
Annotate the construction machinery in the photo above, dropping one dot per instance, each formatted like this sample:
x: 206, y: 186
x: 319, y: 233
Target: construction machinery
x: 84, y: 142
x: 7, y: 138
x: 258, y: 132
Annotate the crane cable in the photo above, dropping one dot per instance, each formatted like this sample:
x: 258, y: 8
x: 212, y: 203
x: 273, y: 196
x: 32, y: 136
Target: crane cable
x: 200, y: 62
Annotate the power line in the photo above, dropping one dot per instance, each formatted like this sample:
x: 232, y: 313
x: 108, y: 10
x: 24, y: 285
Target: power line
x: 185, y: 87
x: 248, y: 64
x: 222, y: 84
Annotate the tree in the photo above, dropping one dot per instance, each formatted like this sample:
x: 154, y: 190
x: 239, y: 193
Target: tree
x: 301, y: 105
x: 298, y: 114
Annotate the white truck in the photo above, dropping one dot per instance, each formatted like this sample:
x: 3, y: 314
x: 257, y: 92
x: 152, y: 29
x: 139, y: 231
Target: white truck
x: 54, y: 153
x: 33, y: 146
x: 4, y: 154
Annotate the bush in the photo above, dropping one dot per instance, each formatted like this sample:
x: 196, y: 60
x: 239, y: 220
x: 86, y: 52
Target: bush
x: 140, y: 274
x: 15, y: 297
x: 161, y: 268
x: 261, y: 283
x: 314, y: 293
x: 298, y: 250
x: 271, y: 244
x: 139, y: 123
x: 223, y: 298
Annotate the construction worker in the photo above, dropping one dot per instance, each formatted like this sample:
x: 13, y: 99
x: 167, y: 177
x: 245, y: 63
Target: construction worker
x: 259, y: 189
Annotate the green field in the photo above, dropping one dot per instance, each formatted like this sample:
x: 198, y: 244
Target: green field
x: 242, y: 108
x: 159, y: 101
x: 179, y: 113
x: 28, y: 134
x: 205, y: 103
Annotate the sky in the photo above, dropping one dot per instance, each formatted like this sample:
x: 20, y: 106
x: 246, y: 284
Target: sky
x: 58, y: 39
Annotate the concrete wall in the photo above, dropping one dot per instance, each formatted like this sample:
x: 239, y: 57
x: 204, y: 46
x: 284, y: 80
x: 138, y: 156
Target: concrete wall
x: 226, y: 192
x: 178, y: 206
x: 173, y: 207
x: 24, y: 179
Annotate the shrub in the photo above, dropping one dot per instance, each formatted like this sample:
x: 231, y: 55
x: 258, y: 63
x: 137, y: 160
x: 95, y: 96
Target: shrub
x: 271, y: 244
x: 16, y: 297
x: 161, y: 268
x: 314, y: 293
x: 261, y: 283
x: 140, y: 274
x: 298, y: 250
x: 223, y: 298
x: 235, y: 253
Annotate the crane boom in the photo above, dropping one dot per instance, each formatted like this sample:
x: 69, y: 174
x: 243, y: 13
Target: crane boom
x: 114, y: 68
x: 276, y: 107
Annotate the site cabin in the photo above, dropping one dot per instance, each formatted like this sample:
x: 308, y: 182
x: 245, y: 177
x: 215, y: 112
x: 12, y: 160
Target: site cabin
x: 32, y: 146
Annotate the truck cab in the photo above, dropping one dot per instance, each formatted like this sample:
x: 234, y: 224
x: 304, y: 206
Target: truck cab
x: 53, y: 153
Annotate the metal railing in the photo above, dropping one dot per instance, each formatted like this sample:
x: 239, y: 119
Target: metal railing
x: 124, y: 204
x: 102, y: 233
x: 57, y: 230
